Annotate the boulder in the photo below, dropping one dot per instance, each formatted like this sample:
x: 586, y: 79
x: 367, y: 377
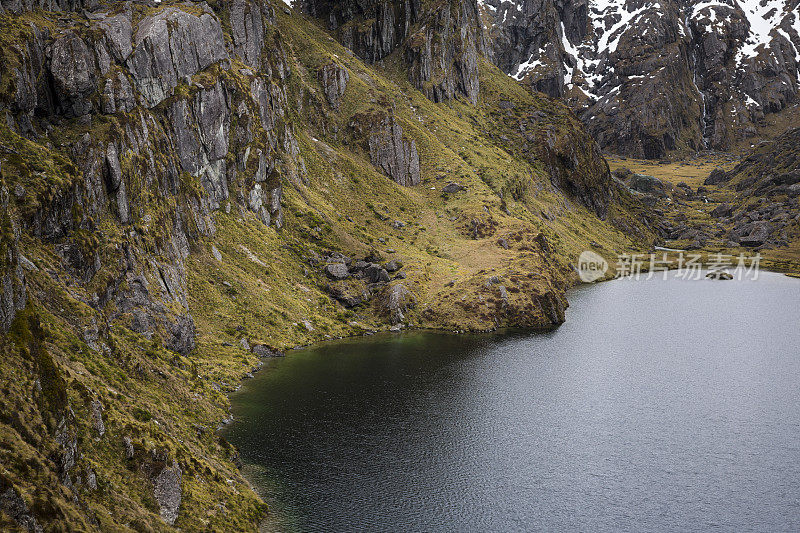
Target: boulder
x: 758, y: 235
x: 393, y: 266
x: 376, y: 274
x: 721, y: 211
x: 452, y: 188
x: 167, y: 492
x: 336, y: 271
x: 357, y: 266
x: 72, y: 68
x: 719, y: 274
x: 646, y: 184
x: 348, y: 296
x: 264, y: 351
x: 716, y: 177
x: 396, y: 301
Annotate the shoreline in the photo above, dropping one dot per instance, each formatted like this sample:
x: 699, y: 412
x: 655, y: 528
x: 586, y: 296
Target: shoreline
x: 417, y: 330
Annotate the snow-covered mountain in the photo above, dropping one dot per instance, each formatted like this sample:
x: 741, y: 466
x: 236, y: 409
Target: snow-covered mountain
x: 651, y: 76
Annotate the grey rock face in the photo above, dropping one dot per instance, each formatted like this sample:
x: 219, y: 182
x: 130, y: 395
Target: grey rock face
x: 12, y: 275
x: 266, y: 203
x: 12, y: 504
x: 171, y: 45
x: 247, y: 30
x: 396, y: 301
x: 31, y: 75
x: 96, y: 412
x: 68, y: 449
x: 441, y: 54
x: 333, y: 79
x: 167, y: 492
x: 21, y: 6
x: 372, y: 29
x: 181, y: 334
x: 72, y: 67
x: 201, y: 136
x: 117, y: 95
x: 392, y: 153
x: 118, y: 33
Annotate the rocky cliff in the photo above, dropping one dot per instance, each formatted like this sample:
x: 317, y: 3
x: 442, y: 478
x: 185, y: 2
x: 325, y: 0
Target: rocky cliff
x: 648, y: 78
x: 189, y: 187
x: 441, y: 41
x: 765, y: 210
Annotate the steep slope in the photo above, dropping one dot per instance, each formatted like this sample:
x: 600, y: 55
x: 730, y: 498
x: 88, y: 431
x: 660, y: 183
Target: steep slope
x: 189, y: 187
x: 764, y: 210
x: 648, y: 78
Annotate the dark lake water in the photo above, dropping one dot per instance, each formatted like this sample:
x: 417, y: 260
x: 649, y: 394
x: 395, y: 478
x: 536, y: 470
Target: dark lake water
x: 658, y: 406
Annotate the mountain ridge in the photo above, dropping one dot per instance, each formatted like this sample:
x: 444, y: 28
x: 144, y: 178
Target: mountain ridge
x: 651, y: 78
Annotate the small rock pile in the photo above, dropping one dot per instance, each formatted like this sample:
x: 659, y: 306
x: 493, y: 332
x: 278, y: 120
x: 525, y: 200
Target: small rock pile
x: 353, y: 281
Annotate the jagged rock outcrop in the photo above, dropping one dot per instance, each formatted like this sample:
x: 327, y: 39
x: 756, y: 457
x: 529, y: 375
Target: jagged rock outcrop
x: 72, y: 68
x: 21, y: 6
x: 248, y: 29
x: 372, y: 29
x: 652, y: 77
x: 442, y: 53
x: 577, y: 167
x: 168, y: 493
x: 333, y: 79
x: 12, y: 504
x: 155, y: 69
x: 441, y: 43
x: 388, y: 149
x: 12, y: 276
x: 396, y: 301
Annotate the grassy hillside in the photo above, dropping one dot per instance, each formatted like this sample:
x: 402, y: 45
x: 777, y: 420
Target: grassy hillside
x: 69, y: 362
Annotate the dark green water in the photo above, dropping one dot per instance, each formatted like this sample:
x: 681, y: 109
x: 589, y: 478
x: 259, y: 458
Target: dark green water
x: 659, y: 406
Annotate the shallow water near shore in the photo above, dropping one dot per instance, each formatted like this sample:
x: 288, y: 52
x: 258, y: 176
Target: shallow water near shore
x: 658, y: 406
